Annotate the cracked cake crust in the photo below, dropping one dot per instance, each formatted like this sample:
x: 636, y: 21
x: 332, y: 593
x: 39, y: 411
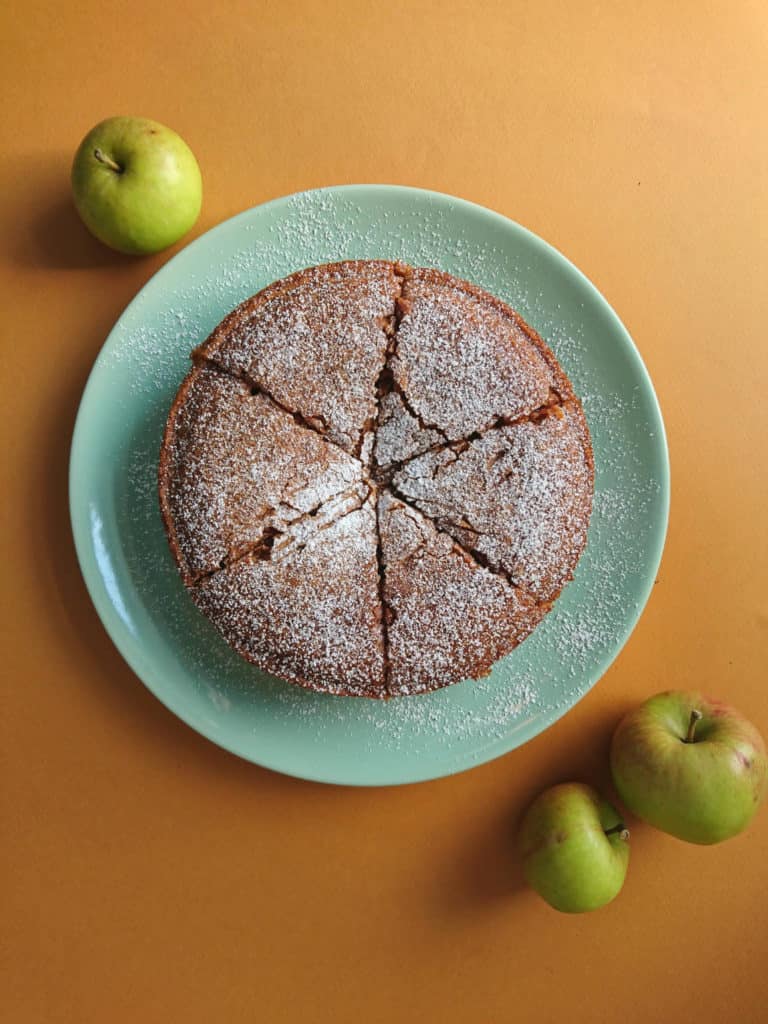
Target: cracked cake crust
x: 234, y: 463
x: 434, y: 589
x: 376, y: 479
x: 514, y: 496
x: 310, y: 612
x: 315, y: 341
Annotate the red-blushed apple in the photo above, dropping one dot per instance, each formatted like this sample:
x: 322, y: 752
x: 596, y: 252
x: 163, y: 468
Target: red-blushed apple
x: 574, y: 847
x: 136, y: 184
x: 689, y: 765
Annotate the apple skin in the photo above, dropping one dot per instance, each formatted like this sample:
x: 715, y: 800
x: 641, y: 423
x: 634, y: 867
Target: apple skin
x: 703, y: 791
x: 567, y: 857
x: 150, y: 198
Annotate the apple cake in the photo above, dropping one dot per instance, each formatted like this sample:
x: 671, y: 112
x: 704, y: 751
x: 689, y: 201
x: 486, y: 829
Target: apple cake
x: 375, y: 479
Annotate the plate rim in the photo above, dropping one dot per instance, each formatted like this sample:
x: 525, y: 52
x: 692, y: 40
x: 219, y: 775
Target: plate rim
x: 105, y: 609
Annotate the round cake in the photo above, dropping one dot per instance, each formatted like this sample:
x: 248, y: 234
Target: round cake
x: 376, y: 479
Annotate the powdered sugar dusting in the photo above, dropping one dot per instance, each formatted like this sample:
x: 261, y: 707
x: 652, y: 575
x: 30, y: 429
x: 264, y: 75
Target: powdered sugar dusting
x: 316, y: 342
x: 399, y: 434
x: 520, y: 495
x: 310, y: 611
x: 237, y: 466
x: 449, y: 616
x: 463, y: 361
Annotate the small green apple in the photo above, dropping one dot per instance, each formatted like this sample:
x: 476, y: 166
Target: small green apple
x: 137, y: 185
x: 575, y: 848
x: 689, y: 765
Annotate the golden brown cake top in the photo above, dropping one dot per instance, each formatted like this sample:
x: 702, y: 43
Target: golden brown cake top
x: 376, y: 479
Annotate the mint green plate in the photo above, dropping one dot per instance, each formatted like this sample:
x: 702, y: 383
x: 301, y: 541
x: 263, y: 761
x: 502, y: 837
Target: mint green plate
x: 129, y: 570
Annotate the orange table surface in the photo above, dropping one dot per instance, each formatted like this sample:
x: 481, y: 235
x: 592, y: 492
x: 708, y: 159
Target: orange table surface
x: 146, y: 874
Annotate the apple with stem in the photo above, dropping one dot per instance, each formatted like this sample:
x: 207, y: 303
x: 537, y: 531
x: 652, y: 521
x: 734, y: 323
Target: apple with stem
x: 689, y: 765
x: 136, y: 184
x: 574, y: 847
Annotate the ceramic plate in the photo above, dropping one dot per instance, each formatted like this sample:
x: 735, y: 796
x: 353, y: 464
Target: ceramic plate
x: 129, y: 570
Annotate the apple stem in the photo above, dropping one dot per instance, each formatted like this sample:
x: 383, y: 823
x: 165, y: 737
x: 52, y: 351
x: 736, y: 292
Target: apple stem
x: 104, y: 159
x: 621, y: 828
x: 695, y: 717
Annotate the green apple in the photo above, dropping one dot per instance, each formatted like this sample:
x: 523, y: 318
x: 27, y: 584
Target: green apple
x: 136, y: 184
x: 689, y: 765
x: 575, y: 848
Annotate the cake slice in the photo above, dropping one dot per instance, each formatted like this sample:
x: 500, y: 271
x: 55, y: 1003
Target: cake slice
x: 447, y: 618
x: 519, y: 496
x: 308, y: 609
x: 316, y: 341
x: 236, y: 468
x: 464, y: 359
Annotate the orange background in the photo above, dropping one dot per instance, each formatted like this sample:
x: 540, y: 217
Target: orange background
x: 148, y: 875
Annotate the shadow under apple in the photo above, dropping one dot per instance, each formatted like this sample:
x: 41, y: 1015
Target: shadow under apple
x: 56, y: 238
x: 485, y: 871
x: 46, y: 227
